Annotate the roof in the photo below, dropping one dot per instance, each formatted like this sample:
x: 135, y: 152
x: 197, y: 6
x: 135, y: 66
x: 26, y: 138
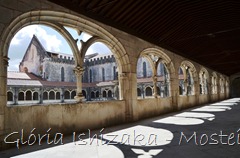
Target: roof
x: 17, y: 75
x: 207, y: 32
x: 18, y: 82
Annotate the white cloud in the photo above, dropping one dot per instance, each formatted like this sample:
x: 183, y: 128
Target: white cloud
x: 49, y: 42
x: 14, y: 65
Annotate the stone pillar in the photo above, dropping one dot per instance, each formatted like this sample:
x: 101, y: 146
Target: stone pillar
x: 128, y: 93
x: 79, y: 72
x: 15, y: 96
x: 142, y: 92
x: 154, y: 86
x: 174, y: 89
x: 62, y: 95
x: 3, y: 97
x: 40, y: 95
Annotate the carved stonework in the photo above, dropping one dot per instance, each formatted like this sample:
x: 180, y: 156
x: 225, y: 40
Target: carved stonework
x: 78, y: 71
x: 5, y: 61
x: 123, y: 75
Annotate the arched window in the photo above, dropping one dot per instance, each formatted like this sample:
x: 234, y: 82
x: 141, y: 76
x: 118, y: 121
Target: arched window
x: 163, y: 78
x: 66, y: 95
x: 214, y: 83
x: 35, y: 96
x: 181, y: 81
x: 97, y: 94
x: 9, y: 96
x: 139, y: 93
x: 62, y: 74
x: 189, y: 75
x: 114, y: 73
x: 158, y: 91
x: 144, y: 69
x: 92, y: 94
x: 28, y: 95
x: 73, y: 94
x: 58, y: 95
x: 90, y: 76
x: 84, y: 93
x: 103, y: 74
x: 109, y: 94
x: 104, y: 94
x: 51, y: 95
x: 203, y: 81
x: 20, y: 96
x: 148, y: 91
x: 45, y: 95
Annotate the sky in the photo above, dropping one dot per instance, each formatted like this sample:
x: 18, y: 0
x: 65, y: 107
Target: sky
x: 50, y: 39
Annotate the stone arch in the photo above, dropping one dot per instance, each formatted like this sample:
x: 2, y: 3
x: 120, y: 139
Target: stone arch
x: 73, y: 94
x: 93, y: 94
x: 35, y: 95
x: 84, y: 93
x: 189, y: 69
x: 51, y: 95
x: 204, y: 81
x: 66, y: 94
x: 45, y: 95
x: 58, y: 95
x: 109, y: 94
x: 9, y: 96
x: 21, y: 96
x: 214, y: 83
x: 139, y: 92
x: 148, y: 91
x: 151, y: 53
x: 221, y: 84
x: 28, y: 95
x: 57, y: 20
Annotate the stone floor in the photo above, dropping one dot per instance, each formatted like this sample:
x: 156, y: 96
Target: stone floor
x: 209, y: 131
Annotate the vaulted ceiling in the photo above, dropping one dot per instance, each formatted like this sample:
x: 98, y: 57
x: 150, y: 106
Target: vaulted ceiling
x: 206, y: 31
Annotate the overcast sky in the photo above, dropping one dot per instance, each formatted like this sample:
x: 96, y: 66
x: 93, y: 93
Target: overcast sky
x: 50, y: 39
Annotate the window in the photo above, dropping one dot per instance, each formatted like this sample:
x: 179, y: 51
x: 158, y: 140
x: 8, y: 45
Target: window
x: 9, y: 96
x: 73, y: 94
x: 35, y: 96
x: 114, y: 73
x: 144, y: 69
x: 103, y: 74
x: 21, y: 96
x: 139, y: 93
x: 62, y: 74
x: 28, y: 95
x: 51, y: 95
x: 90, y: 76
x: 148, y: 91
x: 66, y: 95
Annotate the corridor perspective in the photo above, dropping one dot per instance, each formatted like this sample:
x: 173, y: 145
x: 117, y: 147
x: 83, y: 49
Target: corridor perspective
x: 119, y: 78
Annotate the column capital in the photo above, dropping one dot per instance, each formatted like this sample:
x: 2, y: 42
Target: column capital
x: 5, y: 60
x: 123, y: 75
x: 78, y: 70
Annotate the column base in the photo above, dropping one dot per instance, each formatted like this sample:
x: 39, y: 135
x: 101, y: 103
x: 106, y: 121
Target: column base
x: 79, y: 97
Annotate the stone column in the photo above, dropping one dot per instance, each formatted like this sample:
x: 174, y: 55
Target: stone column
x: 154, y: 86
x: 62, y: 95
x: 79, y: 72
x: 128, y: 93
x: 15, y: 96
x: 40, y: 95
x: 3, y: 97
